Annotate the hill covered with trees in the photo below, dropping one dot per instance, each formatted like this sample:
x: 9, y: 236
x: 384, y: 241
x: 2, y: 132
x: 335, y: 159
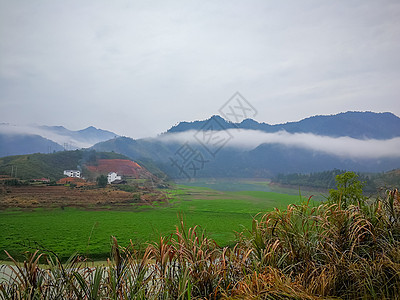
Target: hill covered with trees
x: 52, y: 165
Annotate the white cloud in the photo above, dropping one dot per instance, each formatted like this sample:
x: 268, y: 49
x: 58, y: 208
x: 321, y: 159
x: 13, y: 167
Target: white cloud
x: 338, y: 146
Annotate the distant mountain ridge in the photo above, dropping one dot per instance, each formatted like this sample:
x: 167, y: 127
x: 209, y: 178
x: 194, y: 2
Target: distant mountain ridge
x: 17, y: 140
x: 359, y: 125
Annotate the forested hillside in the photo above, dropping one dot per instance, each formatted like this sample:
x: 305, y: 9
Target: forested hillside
x: 372, y: 182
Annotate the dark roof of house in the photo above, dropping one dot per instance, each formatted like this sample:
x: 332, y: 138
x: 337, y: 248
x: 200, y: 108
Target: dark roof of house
x: 119, y: 182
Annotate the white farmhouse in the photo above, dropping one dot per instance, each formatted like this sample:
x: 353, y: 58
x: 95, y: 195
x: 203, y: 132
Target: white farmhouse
x: 72, y: 173
x: 112, y: 176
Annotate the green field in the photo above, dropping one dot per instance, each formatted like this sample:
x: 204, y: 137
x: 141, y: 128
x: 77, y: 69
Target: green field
x: 242, y: 184
x: 88, y: 232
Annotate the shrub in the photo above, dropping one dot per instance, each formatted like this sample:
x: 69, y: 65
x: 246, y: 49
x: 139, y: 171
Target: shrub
x: 102, y: 181
x: 349, y: 191
x: 12, y: 182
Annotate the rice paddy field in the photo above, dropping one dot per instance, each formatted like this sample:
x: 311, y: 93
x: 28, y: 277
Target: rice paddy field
x: 66, y: 231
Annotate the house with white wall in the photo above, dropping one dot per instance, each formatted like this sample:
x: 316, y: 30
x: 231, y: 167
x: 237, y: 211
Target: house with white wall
x: 112, y: 176
x: 73, y: 173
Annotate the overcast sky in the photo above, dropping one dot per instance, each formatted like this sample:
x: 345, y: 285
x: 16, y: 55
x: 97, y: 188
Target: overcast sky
x: 139, y: 67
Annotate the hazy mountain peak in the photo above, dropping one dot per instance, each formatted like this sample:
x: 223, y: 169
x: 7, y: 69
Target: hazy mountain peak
x: 199, y: 124
x: 90, y: 128
x: 248, y: 122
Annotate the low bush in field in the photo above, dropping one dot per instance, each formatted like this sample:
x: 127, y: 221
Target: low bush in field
x: 15, y: 182
x: 346, y: 248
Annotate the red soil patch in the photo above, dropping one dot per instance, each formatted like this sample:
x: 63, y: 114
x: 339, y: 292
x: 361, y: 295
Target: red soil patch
x: 121, y: 166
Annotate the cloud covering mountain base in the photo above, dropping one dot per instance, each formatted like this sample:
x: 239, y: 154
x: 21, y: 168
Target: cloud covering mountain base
x: 345, y: 147
x: 251, y: 153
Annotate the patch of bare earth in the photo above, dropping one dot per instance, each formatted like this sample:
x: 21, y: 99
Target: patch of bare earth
x: 29, y: 197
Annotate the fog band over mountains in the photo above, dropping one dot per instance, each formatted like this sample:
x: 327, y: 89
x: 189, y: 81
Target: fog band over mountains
x: 339, y: 146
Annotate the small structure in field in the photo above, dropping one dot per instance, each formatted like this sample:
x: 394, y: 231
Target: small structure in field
x: 112, y: 176
x: 73, y: 173
x: 46, y: 180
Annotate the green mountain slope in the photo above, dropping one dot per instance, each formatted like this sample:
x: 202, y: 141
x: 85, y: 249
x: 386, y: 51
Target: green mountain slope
x: 51, y: 165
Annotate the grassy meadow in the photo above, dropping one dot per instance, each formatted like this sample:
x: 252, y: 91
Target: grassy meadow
x: 88, y: 232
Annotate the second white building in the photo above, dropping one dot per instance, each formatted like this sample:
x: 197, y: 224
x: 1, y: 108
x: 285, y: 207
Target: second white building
x: 112, y: 176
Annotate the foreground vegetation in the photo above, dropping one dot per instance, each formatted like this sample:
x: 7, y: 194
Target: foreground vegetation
x: 348, y: 247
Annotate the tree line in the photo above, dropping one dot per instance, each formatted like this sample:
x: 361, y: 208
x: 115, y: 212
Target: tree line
x: 372, y: 182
